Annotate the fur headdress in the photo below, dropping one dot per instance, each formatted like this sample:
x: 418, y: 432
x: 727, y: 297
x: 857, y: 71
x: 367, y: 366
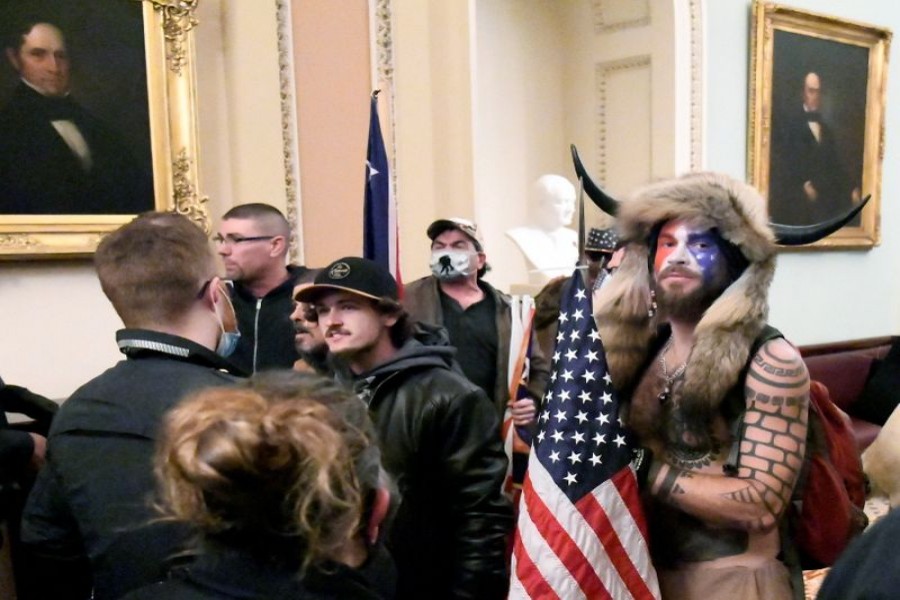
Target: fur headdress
x: 729, y: 326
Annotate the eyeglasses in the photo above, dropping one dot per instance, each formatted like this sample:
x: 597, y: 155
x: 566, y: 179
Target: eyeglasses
x: 231, y: 240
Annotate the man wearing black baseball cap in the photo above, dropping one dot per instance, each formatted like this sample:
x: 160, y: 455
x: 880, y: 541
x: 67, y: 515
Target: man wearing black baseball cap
x: 449, y: 535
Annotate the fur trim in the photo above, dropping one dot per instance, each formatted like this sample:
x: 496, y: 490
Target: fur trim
x: 729, y: 326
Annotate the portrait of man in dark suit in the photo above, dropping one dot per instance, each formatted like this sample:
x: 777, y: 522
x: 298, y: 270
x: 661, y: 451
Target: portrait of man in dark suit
x: 56, y: 156
x: 817, y: 130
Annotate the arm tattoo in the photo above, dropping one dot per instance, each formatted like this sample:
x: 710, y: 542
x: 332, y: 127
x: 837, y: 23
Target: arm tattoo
x: 774, y: 437
x: 669, y: 486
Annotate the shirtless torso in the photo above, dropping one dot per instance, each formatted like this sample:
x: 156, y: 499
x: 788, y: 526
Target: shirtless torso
x: 710, y: 528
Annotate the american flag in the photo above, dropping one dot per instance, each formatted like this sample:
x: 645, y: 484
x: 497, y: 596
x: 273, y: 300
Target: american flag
x: 380, y: 242
x: 581, y: 530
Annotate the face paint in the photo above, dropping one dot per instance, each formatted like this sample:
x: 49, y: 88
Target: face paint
x: 688, y: 248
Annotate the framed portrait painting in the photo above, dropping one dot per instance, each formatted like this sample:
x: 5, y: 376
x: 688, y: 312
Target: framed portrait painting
x: 97, y: 120
x: 817, y: 105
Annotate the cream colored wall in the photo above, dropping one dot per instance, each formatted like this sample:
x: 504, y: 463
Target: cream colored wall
x: 433, y: 92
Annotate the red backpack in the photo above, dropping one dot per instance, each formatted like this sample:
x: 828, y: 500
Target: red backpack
x: 827, y: 506
x: 826, y: 510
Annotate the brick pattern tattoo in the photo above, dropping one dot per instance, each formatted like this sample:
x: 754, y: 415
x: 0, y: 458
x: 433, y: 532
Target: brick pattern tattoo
x: 774, y: 432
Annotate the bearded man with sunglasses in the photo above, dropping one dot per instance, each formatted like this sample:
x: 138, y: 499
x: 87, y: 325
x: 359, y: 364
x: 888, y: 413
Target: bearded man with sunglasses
x: 253, y: 241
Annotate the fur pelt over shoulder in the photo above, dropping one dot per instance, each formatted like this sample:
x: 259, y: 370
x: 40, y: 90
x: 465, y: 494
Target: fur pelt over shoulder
x: 729, y: 326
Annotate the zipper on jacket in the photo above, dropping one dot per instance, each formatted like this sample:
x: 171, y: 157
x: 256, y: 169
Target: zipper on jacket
x: 256, y: 332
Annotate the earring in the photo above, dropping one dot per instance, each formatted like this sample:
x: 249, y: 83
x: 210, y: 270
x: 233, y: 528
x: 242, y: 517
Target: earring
x: 652, y: 312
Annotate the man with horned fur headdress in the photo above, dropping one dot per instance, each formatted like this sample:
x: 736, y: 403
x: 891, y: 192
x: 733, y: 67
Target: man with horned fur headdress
x: 679, y: 322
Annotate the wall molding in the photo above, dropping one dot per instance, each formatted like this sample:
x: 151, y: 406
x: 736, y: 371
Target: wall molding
x: 603, y: 71
x: 698, y: 162
x: 289, y: 128
x: 602, y: 25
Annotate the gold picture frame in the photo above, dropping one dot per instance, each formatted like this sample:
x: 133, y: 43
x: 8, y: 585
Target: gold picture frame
x: 171, y: 106
x: 816, y: 123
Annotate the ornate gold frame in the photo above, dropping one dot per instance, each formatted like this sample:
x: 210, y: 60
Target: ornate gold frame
x: 169, y: 48
x: 769, y: 18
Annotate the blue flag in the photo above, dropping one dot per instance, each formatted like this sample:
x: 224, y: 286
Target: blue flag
x: 377, y: 238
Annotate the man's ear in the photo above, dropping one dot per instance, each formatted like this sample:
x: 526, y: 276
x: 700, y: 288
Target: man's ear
x: 213, y: 292
x: 381, y: 504
x: 279, y: 245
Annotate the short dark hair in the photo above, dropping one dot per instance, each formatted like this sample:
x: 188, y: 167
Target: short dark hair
x: 259, y: 211
x: 21, y: 26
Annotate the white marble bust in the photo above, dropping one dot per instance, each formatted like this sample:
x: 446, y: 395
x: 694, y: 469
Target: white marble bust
x: 549, y: 246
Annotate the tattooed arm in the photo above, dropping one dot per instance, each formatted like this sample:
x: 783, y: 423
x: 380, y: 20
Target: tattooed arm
x: 772, y: 449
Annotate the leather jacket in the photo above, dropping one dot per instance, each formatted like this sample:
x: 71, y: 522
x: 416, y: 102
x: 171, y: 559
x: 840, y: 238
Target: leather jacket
x: 437, y: 434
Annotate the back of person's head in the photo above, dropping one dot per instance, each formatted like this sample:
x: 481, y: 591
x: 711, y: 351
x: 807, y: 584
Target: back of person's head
x: 266, y: 214
x: 154, y: 268
x: 273, y: 477
x: 279, y: 385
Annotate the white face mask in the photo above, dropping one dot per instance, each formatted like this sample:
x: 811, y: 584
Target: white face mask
x: 448, y: 265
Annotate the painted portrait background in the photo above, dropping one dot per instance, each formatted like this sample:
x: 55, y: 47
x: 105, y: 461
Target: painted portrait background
x: 105, y: 42
x: 843, y: 72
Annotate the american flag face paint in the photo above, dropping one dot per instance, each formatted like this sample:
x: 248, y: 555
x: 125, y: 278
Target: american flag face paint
x: 688, y: 248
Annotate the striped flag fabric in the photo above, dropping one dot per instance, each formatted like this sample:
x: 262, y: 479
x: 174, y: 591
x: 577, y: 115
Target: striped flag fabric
x: 380, y: 242
x: 581, y: 530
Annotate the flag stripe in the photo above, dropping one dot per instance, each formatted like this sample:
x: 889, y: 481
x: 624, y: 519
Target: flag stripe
x: 559, y: 520
x: 527, y: 576
x: 546, y: 563
x: 581, y: 529
x: 607, y: 513
x: 628, y: 488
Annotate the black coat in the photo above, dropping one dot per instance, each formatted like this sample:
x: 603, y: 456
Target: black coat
x: 91, y: 501
x: 227, y: 574
x: 39, y: 173
x: 439, y: 440
x: 797, y: 158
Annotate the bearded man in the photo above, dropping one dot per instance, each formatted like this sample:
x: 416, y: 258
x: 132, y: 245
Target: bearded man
x: 718, y: 397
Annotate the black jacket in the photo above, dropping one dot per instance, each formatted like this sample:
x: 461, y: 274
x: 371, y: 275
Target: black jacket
x: 92, y: 498
x: 438, y: 440
x: 224, y: 575
x: 267, y: 332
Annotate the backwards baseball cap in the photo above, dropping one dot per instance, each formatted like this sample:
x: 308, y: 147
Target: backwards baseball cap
x: 466, y: 226
x: 352, y: 274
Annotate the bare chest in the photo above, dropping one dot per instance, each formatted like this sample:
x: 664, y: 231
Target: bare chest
x: 654, y: 416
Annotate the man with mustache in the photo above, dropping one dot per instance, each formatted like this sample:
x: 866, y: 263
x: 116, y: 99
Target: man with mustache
x: 718, y: 398
x: 449, y: 534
